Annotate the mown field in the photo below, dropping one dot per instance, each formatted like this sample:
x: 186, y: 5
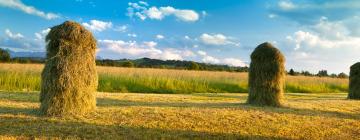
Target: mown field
x: 185, y: 116
x: 26, y: 77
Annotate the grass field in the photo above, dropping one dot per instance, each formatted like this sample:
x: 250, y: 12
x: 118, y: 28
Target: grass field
x: 26, y: 77
x: 185, y: 116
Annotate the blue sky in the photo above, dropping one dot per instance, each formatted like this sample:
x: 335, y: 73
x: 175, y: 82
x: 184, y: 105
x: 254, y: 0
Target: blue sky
x: 312, y: 34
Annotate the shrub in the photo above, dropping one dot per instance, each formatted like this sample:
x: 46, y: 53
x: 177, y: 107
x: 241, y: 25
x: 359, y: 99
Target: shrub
x: 354, y: 79
x: 266, y: 76
x: 69, y: 78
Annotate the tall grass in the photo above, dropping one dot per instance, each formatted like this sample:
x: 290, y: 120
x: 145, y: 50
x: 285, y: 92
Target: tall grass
x: 26, y: 77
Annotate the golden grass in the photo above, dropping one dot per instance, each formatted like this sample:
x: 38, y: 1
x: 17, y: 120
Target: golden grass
x: 185, y: 116
x: 26, y: 77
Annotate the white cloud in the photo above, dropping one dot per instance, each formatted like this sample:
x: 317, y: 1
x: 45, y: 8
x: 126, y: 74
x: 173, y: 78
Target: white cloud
x: 227, y: 61
x: 18, y: 5
x: 122, y: 28
x: 132, y: 35
x: 286, y: 5
x: 160, y: 36
x: 18, y: 42
x: 210, y: 59
x: 234, y: 62
x: 202, y: 53
x: 217, y: 39
x: 97, y: 25
x: 40, y: 36
x: 142, y: 11
x: 272, y: 15
x: 150, y: 43
x: 326, y: 45
x: 144, y: 49
x: 11, y: 35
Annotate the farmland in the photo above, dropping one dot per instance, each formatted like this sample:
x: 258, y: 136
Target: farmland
x: 184, y: 116
x: 192, y: 104
x: 26, y: 77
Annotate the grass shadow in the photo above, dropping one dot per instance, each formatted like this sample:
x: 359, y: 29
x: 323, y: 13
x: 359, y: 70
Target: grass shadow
x: 47, y: 128
x: 107, y: 102
x: 19, y: 111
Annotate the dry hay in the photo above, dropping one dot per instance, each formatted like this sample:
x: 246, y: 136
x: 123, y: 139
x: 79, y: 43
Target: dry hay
x: 266, y: 76
x: 354, y: 79
x: 69, y: 79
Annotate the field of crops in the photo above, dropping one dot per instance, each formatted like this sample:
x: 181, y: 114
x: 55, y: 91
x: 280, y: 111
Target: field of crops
x: 185, y: 116
x: 26, y: 77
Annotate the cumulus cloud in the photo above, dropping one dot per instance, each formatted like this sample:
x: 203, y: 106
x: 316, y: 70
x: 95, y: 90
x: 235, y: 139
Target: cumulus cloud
x: 325, y: 45
x: 97, y: 25
x: 160, y: 36
x: 132, y: 35
x: 40, y: 36
x: 19, y: 5
x: 122, y: 28
x: 217, y: 39
x: 142, y: 11
x: 227, y: 61
x: 234, y: 62
x: 309, y: 11
x: 18, y: 42
x: 286, y: 5
x: 150, y: 43
x: 11, y: 35
x: 116, y: 48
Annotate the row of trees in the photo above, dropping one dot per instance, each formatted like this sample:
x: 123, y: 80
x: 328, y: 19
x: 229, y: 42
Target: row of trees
x: 321, y: 73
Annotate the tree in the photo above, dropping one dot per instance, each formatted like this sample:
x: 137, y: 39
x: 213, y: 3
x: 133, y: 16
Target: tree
x: 194, y: 66
x: 342, y: 75
x: 323, y: 73
x: 128, y: 64
x: 292, y: 72
x: 4, y: 55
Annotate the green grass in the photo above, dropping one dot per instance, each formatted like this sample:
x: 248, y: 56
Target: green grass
x: 185, y: 116
x: 26, y: 77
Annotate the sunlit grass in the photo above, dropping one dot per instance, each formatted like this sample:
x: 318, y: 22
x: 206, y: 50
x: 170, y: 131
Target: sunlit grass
x: 26, y: 77
x: 185, y: 116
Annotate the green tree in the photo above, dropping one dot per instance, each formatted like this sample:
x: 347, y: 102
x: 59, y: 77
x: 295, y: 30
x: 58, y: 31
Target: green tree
x: 323, y: 73
x: 128, y: 64
x: 292, y: 72
x: 194, y: 66
x: 342, y: 75
x: 4, y: 55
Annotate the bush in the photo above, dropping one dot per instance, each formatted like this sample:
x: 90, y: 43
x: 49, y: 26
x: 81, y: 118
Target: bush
x: 69, y: 78
x: 354, y: 85
x: 266, y: 76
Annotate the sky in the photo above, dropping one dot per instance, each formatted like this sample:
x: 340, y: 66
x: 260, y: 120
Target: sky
x: 312, y: 34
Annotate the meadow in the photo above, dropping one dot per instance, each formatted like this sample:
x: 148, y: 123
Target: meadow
x: 26, y: 77
x: 185, y: 116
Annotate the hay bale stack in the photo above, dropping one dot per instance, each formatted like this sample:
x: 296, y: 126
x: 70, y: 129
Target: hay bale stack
x: 69, y: 79
x: 266, y: 76
x: 354, y: 79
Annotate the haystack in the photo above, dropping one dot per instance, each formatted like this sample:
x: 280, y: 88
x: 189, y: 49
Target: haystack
x: 69, y: 79
x: 354, y: 79
x: 266, y: 76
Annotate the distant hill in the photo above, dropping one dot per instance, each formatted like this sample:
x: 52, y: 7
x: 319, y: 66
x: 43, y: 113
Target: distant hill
x: 147, y: 63
x: 169, y: 64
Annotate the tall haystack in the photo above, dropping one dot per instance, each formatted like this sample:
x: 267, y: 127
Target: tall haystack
x: 69, y: 78
x: 266, y: 76
x: 354, y: 79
